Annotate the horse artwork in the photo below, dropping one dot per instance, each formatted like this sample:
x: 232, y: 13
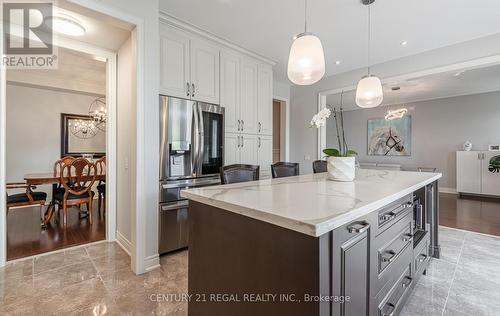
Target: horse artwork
x: 389, y: 137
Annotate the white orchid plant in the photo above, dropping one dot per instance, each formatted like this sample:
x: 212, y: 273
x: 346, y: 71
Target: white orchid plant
x: 319, y: 120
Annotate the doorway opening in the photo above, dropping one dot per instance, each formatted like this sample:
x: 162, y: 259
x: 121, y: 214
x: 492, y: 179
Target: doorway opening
x: 69, y: 111
x: 280, y: 130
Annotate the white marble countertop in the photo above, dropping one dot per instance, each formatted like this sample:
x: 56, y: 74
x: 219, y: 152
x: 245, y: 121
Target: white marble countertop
x: 311, y: 204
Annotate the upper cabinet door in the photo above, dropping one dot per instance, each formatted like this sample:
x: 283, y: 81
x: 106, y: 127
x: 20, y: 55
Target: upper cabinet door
x: 248, y: 96
x: 265, y: 104
x: 469, y: 172
x: 174, y: 62
x: 204, y: 72
x: 230, y: 86
x: 490, y: 179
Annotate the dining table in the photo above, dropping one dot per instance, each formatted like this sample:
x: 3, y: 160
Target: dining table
x: 49, y: 178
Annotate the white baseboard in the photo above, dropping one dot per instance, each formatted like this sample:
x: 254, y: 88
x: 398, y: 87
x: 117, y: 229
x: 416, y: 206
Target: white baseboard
x: 152, y: 263
x: 448, y: 190
x: 124, y: 243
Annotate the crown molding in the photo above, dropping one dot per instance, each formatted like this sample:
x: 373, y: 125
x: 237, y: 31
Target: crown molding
x: 185, y: 26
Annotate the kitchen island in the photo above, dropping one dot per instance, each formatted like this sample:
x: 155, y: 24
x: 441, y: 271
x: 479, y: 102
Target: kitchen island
x: 309, y: 246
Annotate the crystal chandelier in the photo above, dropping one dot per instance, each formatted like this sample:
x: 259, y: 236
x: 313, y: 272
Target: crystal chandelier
x: 98, y: 112
x: 83, y: 129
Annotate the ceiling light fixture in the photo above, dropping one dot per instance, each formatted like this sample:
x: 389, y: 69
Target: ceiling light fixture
x: 403, y: 43
x: 67, y: 25
x: 306, y: 62
x: 337, y: 62
x: 369, y: 92
x: 395, y: 114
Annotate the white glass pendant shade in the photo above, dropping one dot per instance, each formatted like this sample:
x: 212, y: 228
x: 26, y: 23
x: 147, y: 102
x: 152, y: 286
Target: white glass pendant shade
x: 306, y: 62
x: 369, y: 93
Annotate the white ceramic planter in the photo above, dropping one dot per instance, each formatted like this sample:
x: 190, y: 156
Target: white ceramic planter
x: 341, y: 168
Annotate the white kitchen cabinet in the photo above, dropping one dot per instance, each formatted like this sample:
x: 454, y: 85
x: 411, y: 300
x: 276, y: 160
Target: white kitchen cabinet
x: 229, y: 90
x: 473, y: 175
x: 231, y: 149
x: 265, y: 101
x: 189, y: 66
x: 265, y: 155
x: 174, y: 62
x: 248, y: 149
x: 204, y: 72
x: 248, y: 96
x: 490, y: 181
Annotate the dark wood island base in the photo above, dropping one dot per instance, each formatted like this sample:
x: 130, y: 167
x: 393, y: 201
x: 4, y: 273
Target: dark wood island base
x: 243, y: 266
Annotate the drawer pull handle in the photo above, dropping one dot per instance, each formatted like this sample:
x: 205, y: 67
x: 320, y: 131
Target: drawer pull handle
x: 390, y: 258
x: 358, y: 228
x: 406, y: 284
x: 407, y: 238
x: 390, y: 309
x: 422, y: 258
x: 408, y: 205
x: 388, y: 217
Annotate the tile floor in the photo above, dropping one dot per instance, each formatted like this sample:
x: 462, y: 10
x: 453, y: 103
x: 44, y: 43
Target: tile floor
x: 464, y: 282
x: 96, y: 280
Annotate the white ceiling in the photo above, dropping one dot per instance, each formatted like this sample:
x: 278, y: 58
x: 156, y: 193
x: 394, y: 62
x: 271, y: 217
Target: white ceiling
x: 437, y: 86
x: 267, y: 26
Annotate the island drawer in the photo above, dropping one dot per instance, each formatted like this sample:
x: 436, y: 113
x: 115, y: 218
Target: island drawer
x: 391, y: 250
x: 394, y: 211
x: 421, y: 256
x: 391, y: 303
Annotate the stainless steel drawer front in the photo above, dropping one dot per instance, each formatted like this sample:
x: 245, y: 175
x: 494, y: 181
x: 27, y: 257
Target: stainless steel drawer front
x: 393, y: 301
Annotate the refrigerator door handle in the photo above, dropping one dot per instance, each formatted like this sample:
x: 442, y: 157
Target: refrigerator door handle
x: 163, y: 136
x: 195, y: 139
x: 201, y: 147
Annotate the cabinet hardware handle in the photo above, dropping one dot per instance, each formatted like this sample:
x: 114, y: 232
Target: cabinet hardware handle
x: 239, y: 128
x: 388, y: 217
x: 422, y: 258
x: 188, y: 90
x: 358, y: 228
x: 390, y: 258
x: 242, y: 125
x: 242, y: 142
x: 408, y: 205
x: 407, y: 238
x: 260, y: 127
x: 193, y: 89
x: 258, y: 141
x: 391, y: 309
x: 406, y: 284
x: 479, y: 156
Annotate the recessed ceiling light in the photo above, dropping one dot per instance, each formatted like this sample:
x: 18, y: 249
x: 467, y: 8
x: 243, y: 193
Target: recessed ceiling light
x: 67, y: 25
x: 404, y: 43
x: 337, y: 62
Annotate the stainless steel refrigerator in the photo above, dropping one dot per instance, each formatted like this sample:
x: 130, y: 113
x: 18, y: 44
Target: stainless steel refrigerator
x: 191, y: 154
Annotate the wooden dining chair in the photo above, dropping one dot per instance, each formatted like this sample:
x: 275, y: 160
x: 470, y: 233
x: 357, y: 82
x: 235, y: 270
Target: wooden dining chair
x: 101, y: 186
x: 239, y: 173
x: 58, y: 166
x: 77, y: 178
x: 285, y: 169
x: 27, y: 198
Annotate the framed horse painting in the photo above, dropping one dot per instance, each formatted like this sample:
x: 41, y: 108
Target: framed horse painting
x: 389, y: 137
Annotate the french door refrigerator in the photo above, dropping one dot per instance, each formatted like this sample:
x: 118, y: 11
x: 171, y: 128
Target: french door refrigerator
x: 191, y: 155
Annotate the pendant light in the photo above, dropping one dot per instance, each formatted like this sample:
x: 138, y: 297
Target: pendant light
x: 369, y: 92
x: 306, y: 62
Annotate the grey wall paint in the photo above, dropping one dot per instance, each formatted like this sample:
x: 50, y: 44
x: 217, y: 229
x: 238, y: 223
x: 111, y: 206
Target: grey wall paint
x: 33, y: 132
x: 281, y: 90
x: 304, y: 100
x: 439, y: 128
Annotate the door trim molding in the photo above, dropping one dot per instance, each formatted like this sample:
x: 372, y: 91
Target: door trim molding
x: 285, y: 146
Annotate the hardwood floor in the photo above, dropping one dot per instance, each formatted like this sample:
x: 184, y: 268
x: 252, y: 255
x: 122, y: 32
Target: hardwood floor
x: 477, y: 214
x: 25, y: 237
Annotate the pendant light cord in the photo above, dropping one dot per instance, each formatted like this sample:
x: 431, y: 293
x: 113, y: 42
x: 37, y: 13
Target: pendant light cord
x: 369, y: 37
x: 305, y: 16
